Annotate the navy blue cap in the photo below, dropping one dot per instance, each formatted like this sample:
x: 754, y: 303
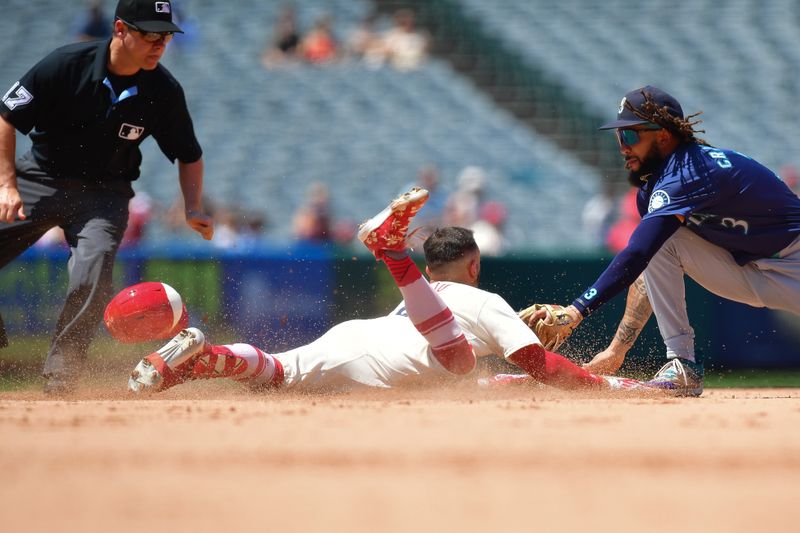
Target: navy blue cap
x: 636, y: 99
x: 147, y: 15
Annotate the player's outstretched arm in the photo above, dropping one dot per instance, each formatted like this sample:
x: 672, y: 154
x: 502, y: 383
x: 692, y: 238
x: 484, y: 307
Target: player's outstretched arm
x: 637, y: 313
x: 554, y: 369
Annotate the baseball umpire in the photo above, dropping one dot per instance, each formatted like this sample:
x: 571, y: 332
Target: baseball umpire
x: 715, y: 214
x: 88, y: 107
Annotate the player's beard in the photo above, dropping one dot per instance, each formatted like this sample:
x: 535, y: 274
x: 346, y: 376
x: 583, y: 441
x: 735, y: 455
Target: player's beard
x: 650, y: 163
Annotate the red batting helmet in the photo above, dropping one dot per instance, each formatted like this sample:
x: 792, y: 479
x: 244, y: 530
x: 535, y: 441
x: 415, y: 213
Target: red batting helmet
x: 144, y: 312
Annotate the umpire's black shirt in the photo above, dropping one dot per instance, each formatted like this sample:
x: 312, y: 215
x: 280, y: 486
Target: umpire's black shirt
x: 89, y: 123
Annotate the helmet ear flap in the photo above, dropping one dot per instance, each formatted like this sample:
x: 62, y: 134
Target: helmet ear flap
x: 144, y: 312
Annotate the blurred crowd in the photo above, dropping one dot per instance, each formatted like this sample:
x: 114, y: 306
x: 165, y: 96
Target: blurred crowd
x: 608, y: 219
x: 377, y: 41
x: 466, y: 203
x: 401, y: 45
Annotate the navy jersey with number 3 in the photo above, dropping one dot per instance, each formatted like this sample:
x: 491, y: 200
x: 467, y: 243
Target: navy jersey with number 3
x: 725, y: 197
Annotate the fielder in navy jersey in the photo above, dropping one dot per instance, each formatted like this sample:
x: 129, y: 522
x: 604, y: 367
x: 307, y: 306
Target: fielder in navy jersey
x: 714, y: 214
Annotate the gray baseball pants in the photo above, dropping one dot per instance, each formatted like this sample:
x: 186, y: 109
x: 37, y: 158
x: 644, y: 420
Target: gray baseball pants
x: 94, y: 222
x: 773, y: 283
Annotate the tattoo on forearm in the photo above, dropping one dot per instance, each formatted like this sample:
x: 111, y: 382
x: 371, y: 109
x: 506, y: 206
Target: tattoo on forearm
x: 639, y: 284
x: 627, y: 333
x: 637, y: 313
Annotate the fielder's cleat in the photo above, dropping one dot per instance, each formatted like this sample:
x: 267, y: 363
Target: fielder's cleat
x: 387, y: 230
x: 170, y: 365
x: 681, y: 377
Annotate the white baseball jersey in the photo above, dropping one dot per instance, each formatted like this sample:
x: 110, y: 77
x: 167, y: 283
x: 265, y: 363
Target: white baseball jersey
x: 387, y: 351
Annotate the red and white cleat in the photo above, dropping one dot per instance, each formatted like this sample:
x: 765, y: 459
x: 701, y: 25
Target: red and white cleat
x: 171, y: 365
x: 387, y: 230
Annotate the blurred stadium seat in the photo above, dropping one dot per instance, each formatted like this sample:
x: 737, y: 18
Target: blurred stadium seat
x: 736, y: 61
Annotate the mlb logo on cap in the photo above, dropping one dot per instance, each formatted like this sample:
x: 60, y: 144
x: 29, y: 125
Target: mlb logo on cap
x: 147, y: 15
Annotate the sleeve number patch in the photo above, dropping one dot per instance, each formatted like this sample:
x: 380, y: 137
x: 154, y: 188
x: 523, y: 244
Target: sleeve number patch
x: 17, y: 96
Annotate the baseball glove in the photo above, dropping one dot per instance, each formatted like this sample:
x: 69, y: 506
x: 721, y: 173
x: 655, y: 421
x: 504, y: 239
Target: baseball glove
x: 554, y: 328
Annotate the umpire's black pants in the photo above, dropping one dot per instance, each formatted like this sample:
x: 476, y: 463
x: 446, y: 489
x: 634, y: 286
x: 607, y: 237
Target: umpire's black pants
x: 94, y: 220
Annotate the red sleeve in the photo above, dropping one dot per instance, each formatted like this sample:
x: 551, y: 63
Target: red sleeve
x: 553, y: 369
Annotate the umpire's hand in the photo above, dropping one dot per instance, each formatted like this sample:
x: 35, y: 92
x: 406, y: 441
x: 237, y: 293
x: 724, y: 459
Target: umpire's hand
x: 11, y: 207
x: 202, y: 224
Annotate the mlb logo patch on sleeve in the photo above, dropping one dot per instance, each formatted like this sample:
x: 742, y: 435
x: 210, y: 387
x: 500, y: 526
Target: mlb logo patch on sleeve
x: 163, y: 7
x: 130, y: 132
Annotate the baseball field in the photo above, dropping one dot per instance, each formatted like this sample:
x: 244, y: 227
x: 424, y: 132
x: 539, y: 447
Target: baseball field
x: 208, y: 456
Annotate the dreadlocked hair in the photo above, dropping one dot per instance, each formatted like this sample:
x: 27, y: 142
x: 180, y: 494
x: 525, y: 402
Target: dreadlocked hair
x: 684, y: 128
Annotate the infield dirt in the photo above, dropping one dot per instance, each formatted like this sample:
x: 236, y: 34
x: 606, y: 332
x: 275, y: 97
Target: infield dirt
x: 208, y: 457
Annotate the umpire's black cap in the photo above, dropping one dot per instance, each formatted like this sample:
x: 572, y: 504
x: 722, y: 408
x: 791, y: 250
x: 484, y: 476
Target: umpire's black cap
x: 635, y: 99
x: 147, y: 15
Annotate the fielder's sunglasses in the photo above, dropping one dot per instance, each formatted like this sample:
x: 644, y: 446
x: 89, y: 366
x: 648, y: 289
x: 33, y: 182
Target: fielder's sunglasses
x: 631, y: 137
x: 151, y: 36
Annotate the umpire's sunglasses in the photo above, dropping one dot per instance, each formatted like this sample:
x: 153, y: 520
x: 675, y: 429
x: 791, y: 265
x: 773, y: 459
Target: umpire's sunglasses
x: 151, y: 36
x: 628, y: 137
